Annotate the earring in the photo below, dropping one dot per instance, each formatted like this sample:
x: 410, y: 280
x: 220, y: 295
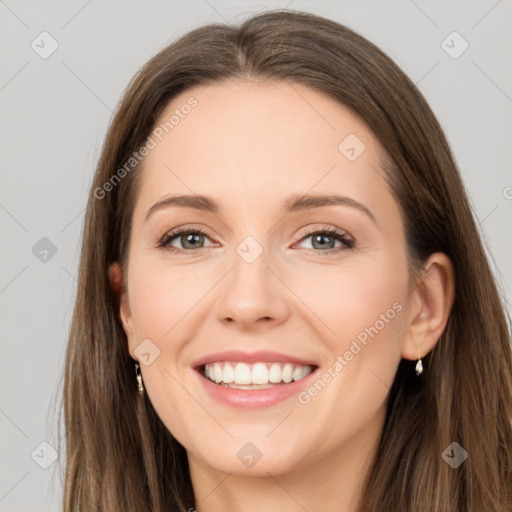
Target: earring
x: 419, y: 367
x: 139, y: 379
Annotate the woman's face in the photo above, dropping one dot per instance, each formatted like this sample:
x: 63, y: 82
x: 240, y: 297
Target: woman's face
x: 266, y: 277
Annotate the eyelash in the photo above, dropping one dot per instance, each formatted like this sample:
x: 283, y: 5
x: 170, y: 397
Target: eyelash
x: 333, y: 232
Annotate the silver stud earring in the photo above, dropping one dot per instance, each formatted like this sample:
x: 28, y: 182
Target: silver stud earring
x: 139, y: 379
x: 419, y: 367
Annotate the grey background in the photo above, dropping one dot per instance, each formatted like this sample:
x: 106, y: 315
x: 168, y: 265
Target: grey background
x: 54, y: 115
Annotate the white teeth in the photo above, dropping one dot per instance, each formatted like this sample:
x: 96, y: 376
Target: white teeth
x: 242, y: 373
x: 228, y: 375
x: 297, y: 373
x: 287, y: 373
x: 274, y: 375
x: 258, y: 374
x: 217, y: 372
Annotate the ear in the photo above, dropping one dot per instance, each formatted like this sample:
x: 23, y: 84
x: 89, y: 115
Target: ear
x: 429, y: 307
x: 117, y: 283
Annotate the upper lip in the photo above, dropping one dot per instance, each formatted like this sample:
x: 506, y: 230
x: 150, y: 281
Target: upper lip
x: 250, y: 357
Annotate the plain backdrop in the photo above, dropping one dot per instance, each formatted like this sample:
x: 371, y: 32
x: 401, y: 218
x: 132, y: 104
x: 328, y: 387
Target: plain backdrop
x: 55, y: 110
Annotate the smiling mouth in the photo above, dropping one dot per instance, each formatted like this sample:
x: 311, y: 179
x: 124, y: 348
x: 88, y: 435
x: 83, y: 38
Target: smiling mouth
x: 259, y: 375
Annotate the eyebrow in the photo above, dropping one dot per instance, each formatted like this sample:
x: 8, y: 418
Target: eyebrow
x: 294, y: 203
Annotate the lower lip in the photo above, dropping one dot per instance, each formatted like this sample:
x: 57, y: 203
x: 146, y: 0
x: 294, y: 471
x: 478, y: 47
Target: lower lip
x: 257, y: 398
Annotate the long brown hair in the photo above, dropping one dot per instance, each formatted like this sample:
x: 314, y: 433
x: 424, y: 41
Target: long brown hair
x: 120, y: 456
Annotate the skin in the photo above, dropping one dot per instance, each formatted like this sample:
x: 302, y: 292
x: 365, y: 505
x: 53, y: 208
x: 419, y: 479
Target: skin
x: 242, y: 140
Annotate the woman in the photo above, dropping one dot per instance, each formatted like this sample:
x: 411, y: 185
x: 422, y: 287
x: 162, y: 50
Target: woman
x: 283, y: 300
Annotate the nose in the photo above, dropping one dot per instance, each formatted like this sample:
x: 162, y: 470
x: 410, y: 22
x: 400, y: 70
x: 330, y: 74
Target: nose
x: 252, y: 296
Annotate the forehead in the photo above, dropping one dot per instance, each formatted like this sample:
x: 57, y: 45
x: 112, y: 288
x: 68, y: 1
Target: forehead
x: 244, y: 139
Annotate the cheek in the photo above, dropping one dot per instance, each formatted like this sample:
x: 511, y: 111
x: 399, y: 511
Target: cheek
x: 364, y: 310
x: 161, y: 297
x: 347, y: 299
x: 162, y: 303
x: 362, y: 313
